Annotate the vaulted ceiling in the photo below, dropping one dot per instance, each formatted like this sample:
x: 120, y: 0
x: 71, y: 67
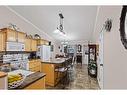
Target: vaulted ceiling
x: 79, y: 21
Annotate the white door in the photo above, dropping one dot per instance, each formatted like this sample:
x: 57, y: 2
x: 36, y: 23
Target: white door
x: 100, y: 61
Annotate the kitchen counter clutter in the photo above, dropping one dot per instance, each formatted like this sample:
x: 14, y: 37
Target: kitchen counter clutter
x: 33, y: 80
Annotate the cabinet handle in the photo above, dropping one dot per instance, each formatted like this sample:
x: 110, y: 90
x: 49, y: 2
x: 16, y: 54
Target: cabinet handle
x: 101, y: 64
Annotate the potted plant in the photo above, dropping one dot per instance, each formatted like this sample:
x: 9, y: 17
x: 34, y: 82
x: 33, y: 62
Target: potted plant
x: 92, y: 68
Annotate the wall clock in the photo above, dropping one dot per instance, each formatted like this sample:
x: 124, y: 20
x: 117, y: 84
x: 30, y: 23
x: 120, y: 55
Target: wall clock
x: 123, y: 26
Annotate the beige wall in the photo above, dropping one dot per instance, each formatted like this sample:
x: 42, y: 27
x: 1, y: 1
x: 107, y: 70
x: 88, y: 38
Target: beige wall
x: 115, y: 56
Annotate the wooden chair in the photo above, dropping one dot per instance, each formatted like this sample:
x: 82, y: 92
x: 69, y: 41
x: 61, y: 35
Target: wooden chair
x: 62, y: 74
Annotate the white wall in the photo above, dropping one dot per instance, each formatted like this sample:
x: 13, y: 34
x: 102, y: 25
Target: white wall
x: 115, y: 56
x: 9, y: 16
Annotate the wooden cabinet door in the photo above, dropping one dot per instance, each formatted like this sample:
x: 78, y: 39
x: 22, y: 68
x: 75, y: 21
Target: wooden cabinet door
x: 2, y: 41
x: 40, y: 42
x: 21, y: 37
x: 39, y: 84
x: 11, y: 35
x: 34, y: 45
x: 35, y: 65
x: 27, y: 44
x: 46, y: 43
x: 48, y: 69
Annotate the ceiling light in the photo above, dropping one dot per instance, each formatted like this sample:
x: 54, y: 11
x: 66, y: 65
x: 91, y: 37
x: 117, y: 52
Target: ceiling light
x: 56, y: 31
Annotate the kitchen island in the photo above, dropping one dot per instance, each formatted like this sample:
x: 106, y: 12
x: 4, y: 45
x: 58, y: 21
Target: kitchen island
x: 48, y: 67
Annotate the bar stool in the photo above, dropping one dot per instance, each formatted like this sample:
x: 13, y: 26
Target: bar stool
x: 70, y: 68
x: 62, y: 73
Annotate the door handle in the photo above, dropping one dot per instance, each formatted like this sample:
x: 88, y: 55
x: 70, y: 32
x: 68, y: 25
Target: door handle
x: 101, y: 64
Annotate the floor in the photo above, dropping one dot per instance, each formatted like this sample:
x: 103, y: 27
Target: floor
x: 79, y: 79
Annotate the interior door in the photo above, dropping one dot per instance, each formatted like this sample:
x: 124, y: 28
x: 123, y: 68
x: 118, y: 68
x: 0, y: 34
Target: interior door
x: 100, y: 61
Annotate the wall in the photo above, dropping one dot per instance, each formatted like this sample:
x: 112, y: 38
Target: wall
x: 9, y: 16
x: 115, y: 56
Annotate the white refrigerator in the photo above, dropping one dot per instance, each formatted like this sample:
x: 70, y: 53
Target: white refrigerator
x: 44, y: 52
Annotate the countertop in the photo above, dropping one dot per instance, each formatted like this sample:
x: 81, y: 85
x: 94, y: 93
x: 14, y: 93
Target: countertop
x: 36, y: 59
x: 31, y: 79
x: 56, y: 60
x: 3, y: 74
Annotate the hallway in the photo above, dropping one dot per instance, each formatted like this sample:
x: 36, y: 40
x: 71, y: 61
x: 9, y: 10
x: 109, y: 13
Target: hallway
x: 79, y: 80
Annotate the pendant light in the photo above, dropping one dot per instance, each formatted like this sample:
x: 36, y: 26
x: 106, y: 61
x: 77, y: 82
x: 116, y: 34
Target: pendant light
x: 60, y: 28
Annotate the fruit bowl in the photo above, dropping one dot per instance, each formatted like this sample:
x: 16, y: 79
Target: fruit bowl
x: 15, y: 80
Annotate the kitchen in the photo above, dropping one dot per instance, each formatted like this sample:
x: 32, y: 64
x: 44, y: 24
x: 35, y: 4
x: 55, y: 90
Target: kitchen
x: 66, y: 48
x: 35, y: 60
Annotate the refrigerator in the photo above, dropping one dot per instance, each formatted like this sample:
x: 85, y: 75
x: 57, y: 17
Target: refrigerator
x: 44, y: 53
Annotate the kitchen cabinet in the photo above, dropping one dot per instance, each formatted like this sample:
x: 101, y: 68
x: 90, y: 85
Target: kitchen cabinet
x: 39, y: 84
x: 2, y: 41
x: 21, y: 37
x: 33, y: 45
x: 27, y: 44
x: 11, y: 35
x: 46, y: 43
x: 52, y: 77
x: 35, y: 65
x: 11, y: 40
x: 42, y: 42
x: 30, y: 45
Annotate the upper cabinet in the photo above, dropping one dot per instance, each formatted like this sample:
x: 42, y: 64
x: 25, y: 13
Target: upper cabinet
x: 2, y: 41
x: 21, y: 37
x: 13, y: 36
x: 11, y: 40
x: 10, y: 34
x: 30, y: 45
x: 27, y: 44
x: 42, y: 42
x: 33, y: 45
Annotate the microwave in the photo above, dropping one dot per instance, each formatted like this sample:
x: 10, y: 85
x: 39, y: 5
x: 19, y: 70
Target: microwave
x: 15, y: 46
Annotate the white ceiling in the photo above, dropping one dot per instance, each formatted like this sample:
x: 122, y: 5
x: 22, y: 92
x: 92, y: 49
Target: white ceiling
x: 78, y: 20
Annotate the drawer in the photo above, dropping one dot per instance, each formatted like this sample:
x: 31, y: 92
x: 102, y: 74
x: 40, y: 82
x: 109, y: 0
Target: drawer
x: 31, y: 64
x: 35, y: 69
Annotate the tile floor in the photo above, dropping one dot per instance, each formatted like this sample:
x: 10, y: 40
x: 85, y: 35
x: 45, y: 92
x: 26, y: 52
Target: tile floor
x: 79, y: 79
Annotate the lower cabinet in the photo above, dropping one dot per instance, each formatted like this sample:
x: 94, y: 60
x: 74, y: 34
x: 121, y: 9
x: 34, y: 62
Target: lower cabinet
x: 35, y: 65
x: 38, y: 85
x: 52, y: 77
